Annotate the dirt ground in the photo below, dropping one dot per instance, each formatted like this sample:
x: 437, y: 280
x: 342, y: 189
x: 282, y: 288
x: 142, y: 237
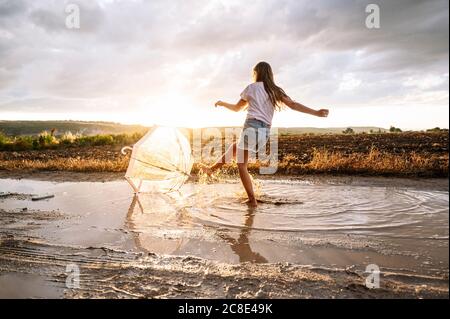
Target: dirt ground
x: 37, y: 242
x: 115, y: 274
x: 399, y: 154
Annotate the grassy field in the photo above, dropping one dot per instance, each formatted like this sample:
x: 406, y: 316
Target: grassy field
x: 47, y: 141
x: 23, y: 128
x: 386, y: 154
x: 19, y: 128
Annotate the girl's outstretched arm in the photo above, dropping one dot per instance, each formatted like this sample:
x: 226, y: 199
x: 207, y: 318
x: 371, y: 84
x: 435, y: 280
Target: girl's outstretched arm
x: 234, y: 107
x: 304, y: 109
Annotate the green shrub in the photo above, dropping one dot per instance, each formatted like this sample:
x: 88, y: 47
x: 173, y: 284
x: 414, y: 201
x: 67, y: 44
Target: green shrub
x: 46, y: 140
x: 437, y: 130
x: 394, y: 129
x: 95, y: 140
x: 102, y: 140
x: 4, y: 139
x: 68, y: 138
x: 127, y: 139
x: 348, y: 130
x: 23, y: 143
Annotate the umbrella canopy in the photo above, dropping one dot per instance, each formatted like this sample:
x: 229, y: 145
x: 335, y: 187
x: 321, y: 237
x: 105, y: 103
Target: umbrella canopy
x: 160, y: 162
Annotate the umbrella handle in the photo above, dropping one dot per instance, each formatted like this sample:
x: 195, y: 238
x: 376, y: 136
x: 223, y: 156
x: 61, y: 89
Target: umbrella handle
x: 125, y: 149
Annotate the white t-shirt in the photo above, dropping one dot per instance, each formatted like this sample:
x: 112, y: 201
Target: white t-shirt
x: 259, y: 105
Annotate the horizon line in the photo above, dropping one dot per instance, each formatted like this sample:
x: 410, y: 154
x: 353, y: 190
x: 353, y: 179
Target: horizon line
x: 188, y: 127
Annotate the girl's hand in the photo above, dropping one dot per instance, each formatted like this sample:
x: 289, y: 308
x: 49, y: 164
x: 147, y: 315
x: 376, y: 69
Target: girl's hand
x: 322, y: 113
x: 218, y: 103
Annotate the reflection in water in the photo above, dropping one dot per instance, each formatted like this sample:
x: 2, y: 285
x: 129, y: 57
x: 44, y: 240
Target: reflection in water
x: 241, y: 246
x: 190, y: 223
x: 129, y: 223
x: 145, y: 213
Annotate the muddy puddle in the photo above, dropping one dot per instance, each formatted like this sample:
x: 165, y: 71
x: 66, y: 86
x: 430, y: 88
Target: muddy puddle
x: 323, y: 228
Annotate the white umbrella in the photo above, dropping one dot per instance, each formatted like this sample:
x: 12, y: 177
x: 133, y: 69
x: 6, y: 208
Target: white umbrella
x: 160, y: 161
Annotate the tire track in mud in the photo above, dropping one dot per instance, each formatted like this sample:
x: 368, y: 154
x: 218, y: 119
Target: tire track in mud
x: 107, y: 273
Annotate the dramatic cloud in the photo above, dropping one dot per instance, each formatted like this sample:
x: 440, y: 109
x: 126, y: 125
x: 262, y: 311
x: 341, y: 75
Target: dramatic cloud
x: 173, y: 59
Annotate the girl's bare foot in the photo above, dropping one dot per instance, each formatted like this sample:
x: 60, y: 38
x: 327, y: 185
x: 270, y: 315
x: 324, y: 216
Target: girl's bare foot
x: 251, y: 202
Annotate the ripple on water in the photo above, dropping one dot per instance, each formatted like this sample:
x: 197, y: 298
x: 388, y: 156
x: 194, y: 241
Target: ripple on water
x: 297, y: 221
x: 303, y: 207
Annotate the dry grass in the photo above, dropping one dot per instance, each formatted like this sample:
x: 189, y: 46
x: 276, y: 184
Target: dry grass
x: 373, y: 163
x: 323, y: 161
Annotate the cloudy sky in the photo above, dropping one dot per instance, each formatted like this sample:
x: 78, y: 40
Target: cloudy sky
x: 167, y: 62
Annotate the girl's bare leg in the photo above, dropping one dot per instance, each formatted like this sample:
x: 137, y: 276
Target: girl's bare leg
x: 246, y: 179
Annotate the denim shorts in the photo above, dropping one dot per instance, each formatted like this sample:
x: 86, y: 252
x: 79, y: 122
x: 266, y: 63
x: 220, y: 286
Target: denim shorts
x: 254, y: 136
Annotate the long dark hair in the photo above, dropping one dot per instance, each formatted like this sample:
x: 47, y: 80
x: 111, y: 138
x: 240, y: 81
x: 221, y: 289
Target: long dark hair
x: 263, y: 73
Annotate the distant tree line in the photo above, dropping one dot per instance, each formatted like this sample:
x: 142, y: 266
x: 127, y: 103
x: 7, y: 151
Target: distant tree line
x: 392, y: 129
